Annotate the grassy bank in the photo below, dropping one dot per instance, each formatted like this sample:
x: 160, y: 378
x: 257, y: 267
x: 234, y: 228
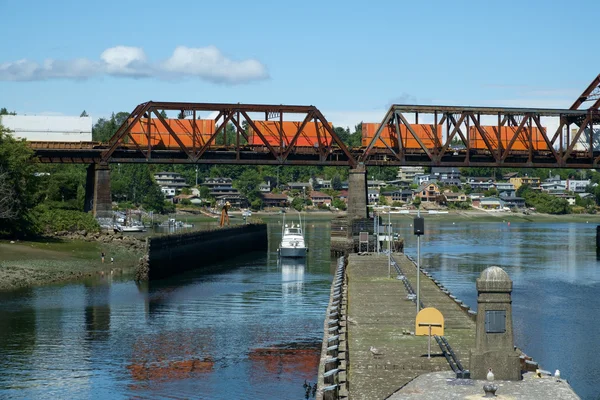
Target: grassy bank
x: 33, y: 263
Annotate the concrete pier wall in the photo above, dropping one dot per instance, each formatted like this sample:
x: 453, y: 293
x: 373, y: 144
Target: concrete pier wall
x: 171, y: 254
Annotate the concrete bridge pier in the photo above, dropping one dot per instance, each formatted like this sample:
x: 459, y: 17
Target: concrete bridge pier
x: 98, y: 198
x: 357, y: 193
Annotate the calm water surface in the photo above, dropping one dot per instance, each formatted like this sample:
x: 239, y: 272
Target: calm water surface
x: 556, y: 293
x: 250, y: 329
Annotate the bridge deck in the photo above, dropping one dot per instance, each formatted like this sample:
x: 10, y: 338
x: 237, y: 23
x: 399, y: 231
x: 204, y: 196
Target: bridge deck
x: 381, y: 311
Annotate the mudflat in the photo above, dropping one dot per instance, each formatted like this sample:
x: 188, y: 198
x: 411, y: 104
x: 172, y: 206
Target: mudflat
x: 24, y: 264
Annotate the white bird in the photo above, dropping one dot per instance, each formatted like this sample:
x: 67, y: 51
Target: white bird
x: 557, y: 374
x: 375, y: 352
x: 490, y: 375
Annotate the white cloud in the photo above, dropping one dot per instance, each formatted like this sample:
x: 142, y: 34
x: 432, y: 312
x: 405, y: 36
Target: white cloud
x: 206, y: 63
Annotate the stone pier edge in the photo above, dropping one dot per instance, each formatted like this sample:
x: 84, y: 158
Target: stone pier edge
x: 340, y: 380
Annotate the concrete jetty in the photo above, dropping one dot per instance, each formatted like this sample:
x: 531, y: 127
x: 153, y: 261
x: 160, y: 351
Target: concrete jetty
x: 378, y: 356
x: 385, y: 318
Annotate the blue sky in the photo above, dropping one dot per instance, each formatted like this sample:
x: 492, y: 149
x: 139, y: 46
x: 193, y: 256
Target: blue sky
x: 350, y: 59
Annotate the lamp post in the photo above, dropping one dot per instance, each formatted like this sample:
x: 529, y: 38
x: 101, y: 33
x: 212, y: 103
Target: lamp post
x: 419, y: 229
x: 389, y: 237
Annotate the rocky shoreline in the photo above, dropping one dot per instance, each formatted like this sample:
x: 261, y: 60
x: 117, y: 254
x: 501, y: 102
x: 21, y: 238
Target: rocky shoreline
x: 117, y: 238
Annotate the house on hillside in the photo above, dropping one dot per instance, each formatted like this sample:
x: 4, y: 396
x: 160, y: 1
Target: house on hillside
x: 300, y: 186
x: 373, y: 196
x: 525, y: 180
x: 428, y: 192
x: 491, y: 203
x: 452, y: 197
x: 275, y: 200
x: 320, y: 198
x: 170, y: 183
x: 446, y: 175
x: 407, y: 174
x: 194, y: 199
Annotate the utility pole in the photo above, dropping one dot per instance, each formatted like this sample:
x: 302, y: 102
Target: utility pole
x: 196, y: 175
x: 389, y: 237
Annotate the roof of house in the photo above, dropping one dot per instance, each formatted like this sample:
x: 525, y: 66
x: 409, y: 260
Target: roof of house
x: 275, y: 196
x: 315, y: 193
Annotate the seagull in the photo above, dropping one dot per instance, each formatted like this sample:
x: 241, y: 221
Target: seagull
x: 375, y: 352
x: 557, y: 375
x: 490, y: 375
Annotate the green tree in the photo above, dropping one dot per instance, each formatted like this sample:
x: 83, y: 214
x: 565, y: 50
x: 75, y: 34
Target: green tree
x: 83, y: 114
x: 4, y: 111
x: 417, y: 201
x: 336, y: 183
x: 18, y: 185
x: 339, y: 204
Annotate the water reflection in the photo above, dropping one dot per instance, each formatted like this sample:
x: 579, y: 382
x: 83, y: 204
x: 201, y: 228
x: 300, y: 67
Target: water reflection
x: 292, y: 276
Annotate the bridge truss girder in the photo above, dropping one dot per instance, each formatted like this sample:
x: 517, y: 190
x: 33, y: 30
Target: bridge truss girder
x: 328, y: 148
x: 559, y: 149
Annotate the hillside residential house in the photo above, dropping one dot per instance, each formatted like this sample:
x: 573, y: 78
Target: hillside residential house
x: 220, y: 187
x: 505, y: 187
x: 170, y: 183
x: 428, y: 192
x: 264, y: 187
x: 491, y: 203
x: 553, y: 187
x: 194, y: 199
x: 319, y: 198
x: 376, y: 185
x: 446, y: 175
x: 570, y: 198
x: 481, y: 184
x: 344, y: 196
x: 525, y: 180
x: 421, y: 179
x: 452, y: 197
x: 407, y: 174
x: 513, y: 201
x: 373, y: 196
x: 299, y: 186
x: 274, y: 200
x: 398, y: 195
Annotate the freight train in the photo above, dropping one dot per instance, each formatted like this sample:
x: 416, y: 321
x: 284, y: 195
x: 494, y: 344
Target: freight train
x: 195, y: 133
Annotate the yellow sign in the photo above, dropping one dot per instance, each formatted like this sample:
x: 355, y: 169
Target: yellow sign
x: 429, y: 317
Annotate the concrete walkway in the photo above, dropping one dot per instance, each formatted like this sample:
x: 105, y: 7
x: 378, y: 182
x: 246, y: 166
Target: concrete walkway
x: 380, y: 314
x: 442, y: 385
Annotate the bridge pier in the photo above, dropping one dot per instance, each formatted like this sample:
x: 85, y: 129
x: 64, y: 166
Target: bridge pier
x: 98, y: 198
x: 357, y: 193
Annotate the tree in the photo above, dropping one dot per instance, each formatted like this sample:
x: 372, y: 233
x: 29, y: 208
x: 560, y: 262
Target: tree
x: 83, y: 114
x: 417, y: 202
x: 4, y: 111
x: 18, y: 185
x: 336, y: 183
x: 339, y: 204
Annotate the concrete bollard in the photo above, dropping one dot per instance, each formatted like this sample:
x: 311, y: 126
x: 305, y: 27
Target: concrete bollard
x: 333, y: 330
x: 330, y: 392
x: 333, y: 340
x: 334, y: 322
x: 333, y: 350
x: 331, y: 363
x: 334, y: 315
x: 329, y: 377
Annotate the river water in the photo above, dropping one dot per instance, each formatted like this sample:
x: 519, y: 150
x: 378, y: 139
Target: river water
x: 252, y: 328
x: 556, y: 291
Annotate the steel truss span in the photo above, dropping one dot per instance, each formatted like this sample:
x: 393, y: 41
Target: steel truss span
x: 254, y: 134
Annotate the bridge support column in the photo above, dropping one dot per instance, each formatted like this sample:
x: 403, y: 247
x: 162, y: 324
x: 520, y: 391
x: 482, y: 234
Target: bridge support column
x: 98, y: 198
x: 357, y: 197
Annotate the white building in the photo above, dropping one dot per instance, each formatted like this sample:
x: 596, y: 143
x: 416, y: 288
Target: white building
x: 421, y: 179
x: 38, y: 128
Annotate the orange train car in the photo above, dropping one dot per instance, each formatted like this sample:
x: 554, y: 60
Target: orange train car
x: 308, y: 137
x: 506, y: 135
x: 183, y: 128
x: 425, y: 132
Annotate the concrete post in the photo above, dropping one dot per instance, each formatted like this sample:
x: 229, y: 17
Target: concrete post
x: 101, y: 197
x: 357, y: 193
x: 494, y: 344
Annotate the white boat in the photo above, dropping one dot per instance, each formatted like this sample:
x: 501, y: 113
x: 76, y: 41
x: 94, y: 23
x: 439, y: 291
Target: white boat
x: 292, y: 241
x: 131, y: 228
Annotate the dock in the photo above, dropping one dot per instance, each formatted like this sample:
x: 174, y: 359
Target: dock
x: 383, y: 317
